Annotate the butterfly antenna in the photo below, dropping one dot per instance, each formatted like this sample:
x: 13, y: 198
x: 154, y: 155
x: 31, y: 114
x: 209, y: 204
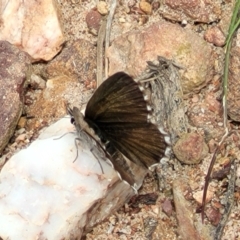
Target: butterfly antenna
x: 68, y: 109
x: 62, y: 135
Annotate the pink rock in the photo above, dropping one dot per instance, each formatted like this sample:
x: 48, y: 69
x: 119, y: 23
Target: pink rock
x: 13, y: 72
x: 215, y: 35
x: 190, y: 148
x: 167, y: 207
x: 199, y: 11
x: 233, y: 96
x: 206, y: 116
x: 170, y: 41
x: 33, y: 26
x: 213, y: 104
x: 214, y: 216
x: 186, y: 228
x: 199, y: 194
x: 93, y: 20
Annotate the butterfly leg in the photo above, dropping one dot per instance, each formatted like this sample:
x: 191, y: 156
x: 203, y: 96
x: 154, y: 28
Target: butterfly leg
x: 96, y: 156
x: 75, y: 141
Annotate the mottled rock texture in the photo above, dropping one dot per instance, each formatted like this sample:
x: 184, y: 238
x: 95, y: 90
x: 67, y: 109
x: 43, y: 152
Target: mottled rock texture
x: 33, y: 26
x: 170, y: 41
x: 14, y: 67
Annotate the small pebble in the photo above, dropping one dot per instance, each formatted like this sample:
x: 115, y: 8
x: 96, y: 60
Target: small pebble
x: 20, y: 131
x: 199, y: 194
x: 145, y: 7
x: 215, y: 35
x: 93, y: 20
x: 21, y: 138
x: 214, y: 216
x: 184, y: 22
x: 131, y: 3
x: 190, y: 148
x: 22, y: 123
x: 122, y: 20
x: 155, y: 6
x: 167, y: 207
x: 102, y: 8
x: 155, y: 209
x: 195, y: 98
x: 143, y: 20
x: 37, y: 82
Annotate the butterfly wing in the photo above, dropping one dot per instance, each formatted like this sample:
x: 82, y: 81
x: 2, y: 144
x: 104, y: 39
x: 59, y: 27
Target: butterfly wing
x: 118, y: 161
x: 114, y: 100
x: 141, y: 143
x: 118, y: 113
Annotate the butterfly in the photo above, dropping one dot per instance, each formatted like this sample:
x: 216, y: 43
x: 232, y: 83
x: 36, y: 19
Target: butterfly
x: 119, y: 115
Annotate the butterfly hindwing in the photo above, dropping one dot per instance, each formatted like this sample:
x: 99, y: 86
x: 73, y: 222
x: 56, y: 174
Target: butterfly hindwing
x: 142, y: 144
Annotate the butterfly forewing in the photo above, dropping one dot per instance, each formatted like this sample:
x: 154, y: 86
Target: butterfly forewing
x: 118, y: 113
x: 115, y: 99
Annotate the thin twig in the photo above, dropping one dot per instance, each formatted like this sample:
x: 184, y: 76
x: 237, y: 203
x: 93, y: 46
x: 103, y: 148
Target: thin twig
x: 100, y: 41
x: 208, y: 176
x: 229, y: 203
x: 113, y: 5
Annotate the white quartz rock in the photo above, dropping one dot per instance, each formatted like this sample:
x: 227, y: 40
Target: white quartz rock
x: 45, y: 194
x: 33, y: 26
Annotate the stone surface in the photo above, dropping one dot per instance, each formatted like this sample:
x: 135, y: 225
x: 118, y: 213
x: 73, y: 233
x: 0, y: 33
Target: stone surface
x: 163, y: 39
x: 46, y: 193
x: 102, y: 7
x: 233, y: 97
x: 214, y: 216
x: 198, y: 195
x: 190, y: 148
x: 50, y: 103
x: 14, y: 68
x: 37, y: 32
x: 207, y: 115
x: 167, y: 207
x: 68, y: 74
x: 189, y: 227
x: 186, y: 228
x: 77, y: 61
x: 193, y: 10
x: 36, y: 82
x: 93, y: 20
x: 215, y: 35
x: 145, y: 7
x: 22, y: 122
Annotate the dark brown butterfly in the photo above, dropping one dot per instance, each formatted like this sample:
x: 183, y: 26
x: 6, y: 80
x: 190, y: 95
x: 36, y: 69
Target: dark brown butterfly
x: 118, y: 114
